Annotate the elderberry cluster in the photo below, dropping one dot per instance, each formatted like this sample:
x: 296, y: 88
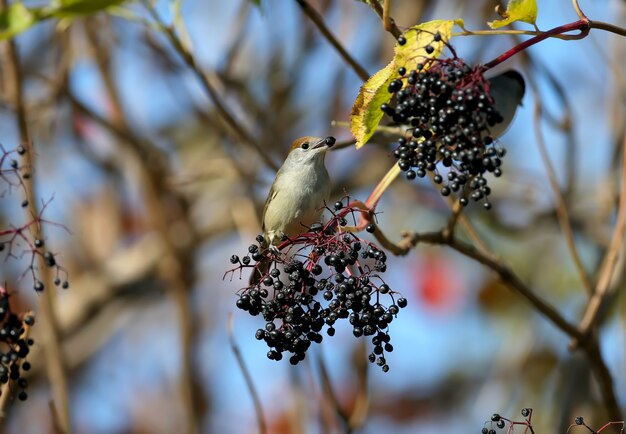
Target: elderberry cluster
x: 317, y: 279
x: 14, y: 347
x: 450, y: 112
x: 501, y: 422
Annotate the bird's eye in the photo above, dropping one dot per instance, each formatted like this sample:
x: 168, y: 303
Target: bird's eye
x: 305, y: 145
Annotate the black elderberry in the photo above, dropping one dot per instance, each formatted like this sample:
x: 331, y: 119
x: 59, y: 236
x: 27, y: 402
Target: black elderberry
x: 526, y: 412
x: 233, y: 260
x: 395, y: 86
x: 50, y: 261
x: 401, y: 40
x: 39, y: 243
x: 38, y: 286
x: 371, y: 228
x: 579, y: 420
x: 500, y: 424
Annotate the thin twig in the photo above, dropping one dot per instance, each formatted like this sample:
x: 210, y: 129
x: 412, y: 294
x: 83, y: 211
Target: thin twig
x: 391, y: 26
x: 361, y: 402
x: 386, y: 17
x: 608, y: 27
x: 174, y: 268
x: 508, y: 277
x: 221, y: 107
x: 604, y: 379
x: 55, y: 360
x: 258, y: 408
x: 578, y: 10
x: 561, y: 207
x: 327, y: 387
x: 610, y: 259
x: 317, y: 19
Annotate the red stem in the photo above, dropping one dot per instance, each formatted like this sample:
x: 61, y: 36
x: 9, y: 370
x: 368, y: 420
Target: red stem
x: 582, y: 25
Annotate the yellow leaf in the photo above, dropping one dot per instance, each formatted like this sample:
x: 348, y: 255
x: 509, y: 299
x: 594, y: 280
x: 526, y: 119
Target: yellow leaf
x: 418, y: 37
x: 517, y: 10
x: 366, y: 113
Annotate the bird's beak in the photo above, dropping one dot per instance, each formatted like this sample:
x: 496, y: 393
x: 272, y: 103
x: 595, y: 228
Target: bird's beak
x: 328, y: 141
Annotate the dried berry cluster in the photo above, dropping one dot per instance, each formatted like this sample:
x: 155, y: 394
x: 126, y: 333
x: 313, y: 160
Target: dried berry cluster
x: 17, y: 242
x: 450, y: 112
x: 315, y: 280
x: 15, y: 346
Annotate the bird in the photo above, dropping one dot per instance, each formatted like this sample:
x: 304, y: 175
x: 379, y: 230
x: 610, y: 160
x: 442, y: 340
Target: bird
x: 507, y: 90
x: 297, y: 195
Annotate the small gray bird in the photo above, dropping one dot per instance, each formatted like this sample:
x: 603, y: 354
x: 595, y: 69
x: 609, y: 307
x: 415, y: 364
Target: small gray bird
x: 298, y: 194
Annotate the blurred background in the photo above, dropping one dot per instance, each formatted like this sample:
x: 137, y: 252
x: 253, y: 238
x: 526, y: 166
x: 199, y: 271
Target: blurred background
x: 158, y: 191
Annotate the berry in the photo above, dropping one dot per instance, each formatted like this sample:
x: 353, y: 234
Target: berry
x: 448, y: 106
x: 302, y: 298
x: 371, y: 228
x: 50, y: 261
x: 401, y: 40
x: 395, y: 86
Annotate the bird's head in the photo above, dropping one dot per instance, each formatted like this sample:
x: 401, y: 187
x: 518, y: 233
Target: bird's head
x: 309, y: 149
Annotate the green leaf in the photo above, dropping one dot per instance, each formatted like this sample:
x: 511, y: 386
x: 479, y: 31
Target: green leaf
x: 15, y: 19
x: 76, y: 8
x: 366, y: 113
x: 517, y: 10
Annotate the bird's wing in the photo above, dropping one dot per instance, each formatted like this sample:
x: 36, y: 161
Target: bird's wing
x: 270, y: 196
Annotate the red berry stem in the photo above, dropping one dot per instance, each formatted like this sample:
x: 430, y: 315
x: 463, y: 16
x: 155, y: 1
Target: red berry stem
x: 583, y: 26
